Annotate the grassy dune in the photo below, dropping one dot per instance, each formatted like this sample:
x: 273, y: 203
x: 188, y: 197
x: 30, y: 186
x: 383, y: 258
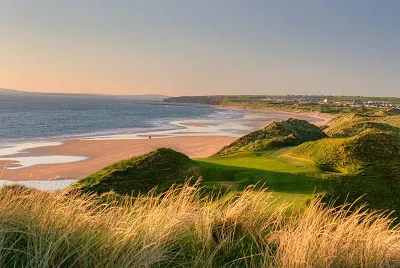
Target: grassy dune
x: 275, y: 135
x: 295, y: 159
x: 291, y: 180
x: 247, y: 226
x: 296, y: 180
x: 367, y: 151
x: 350, y: 125
x: 181, y: 229
x: 363, y: 157
x: 160, y: 168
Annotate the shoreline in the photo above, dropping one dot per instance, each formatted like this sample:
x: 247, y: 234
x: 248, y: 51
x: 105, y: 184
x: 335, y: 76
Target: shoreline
x: 78, y: 158
x: 327, y: 118
x: 101, y: 153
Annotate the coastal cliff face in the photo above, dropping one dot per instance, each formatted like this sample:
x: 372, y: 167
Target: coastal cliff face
x: 211, y: 100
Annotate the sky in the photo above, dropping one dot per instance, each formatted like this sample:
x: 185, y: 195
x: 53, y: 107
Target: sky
x: 203, y: 47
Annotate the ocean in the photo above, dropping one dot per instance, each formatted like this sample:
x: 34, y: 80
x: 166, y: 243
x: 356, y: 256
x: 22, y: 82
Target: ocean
x: 28, y: 123
x: 38, y: 118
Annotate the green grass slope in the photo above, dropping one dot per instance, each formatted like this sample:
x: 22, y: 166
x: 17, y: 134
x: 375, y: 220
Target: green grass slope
x: 369, y: 160
x: 367, y: 151
x: 350, y: 125
x: 388, y: 112
x: 355, y: 128
x: 290, y: 180
x: 393, y: 120
x: 275, y: 135
x: 161, y: 168
x: 362, y: 157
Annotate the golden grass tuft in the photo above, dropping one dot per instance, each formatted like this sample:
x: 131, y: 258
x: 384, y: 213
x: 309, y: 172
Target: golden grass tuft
x: 182, y: 228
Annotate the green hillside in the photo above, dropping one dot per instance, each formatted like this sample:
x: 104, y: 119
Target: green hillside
x: 355, y: 128
x: 390, y: 120
x: 275, y: 135
x: 160, y: 168
x: 358, y: 156
x: 350, y: 125
x: 290, y: 179
x: 388, y: 112
x: 366, y: 151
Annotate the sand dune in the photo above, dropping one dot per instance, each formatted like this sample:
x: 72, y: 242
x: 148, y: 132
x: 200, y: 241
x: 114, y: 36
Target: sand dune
x: 75, y: 159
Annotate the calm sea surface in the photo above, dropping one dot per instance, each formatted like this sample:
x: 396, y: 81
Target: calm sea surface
x: 25, y: 119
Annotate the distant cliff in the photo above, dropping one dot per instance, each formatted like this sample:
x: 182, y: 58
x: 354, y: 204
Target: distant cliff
x: 11, y: 92
x: 212, y: 100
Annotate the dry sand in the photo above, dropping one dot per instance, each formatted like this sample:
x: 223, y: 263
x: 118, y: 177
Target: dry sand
x: 324, y: 118
x: 101, y: 153
x: 105, y: 152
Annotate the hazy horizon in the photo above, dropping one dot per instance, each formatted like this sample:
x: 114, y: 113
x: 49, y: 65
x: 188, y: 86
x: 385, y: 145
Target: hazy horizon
x: 201, y: 47
x: 149, y: 94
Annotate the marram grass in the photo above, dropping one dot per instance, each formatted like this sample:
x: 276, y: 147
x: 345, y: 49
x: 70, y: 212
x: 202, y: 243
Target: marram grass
x: 180, y: 228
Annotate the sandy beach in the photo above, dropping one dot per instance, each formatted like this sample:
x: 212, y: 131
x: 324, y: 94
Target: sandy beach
x: 324, y: 118
x: 78, y: 158
x: 101, y: 153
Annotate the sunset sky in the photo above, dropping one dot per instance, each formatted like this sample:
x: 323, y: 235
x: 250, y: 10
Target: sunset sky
x: 172, y: 47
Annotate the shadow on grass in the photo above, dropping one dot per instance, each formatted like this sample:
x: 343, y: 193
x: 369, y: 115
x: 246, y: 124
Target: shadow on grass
x: 239, y: 178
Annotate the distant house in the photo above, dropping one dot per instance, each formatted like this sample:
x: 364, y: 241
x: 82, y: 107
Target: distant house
x: 326, y: 101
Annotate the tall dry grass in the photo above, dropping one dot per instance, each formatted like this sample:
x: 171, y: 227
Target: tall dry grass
x: 183, y: 229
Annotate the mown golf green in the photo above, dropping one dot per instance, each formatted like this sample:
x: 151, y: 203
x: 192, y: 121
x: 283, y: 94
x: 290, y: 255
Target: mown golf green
x: 357, y: 156
x: 290, y: 179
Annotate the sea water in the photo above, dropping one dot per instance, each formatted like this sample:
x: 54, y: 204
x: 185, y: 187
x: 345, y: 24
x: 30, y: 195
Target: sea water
x: 29, y: 122
x: 27, y: 119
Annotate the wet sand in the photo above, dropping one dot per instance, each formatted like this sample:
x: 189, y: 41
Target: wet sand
x: 197, y: 139
x: 323, y: 118
x: 101, y: 153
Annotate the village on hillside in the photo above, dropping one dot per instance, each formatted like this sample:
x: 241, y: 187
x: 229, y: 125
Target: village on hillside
x: 353, y: 101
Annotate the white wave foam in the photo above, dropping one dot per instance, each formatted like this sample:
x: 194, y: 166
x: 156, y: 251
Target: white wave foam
x: 18, y: 148
x: 28, y: 161
x: 53, y: 185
